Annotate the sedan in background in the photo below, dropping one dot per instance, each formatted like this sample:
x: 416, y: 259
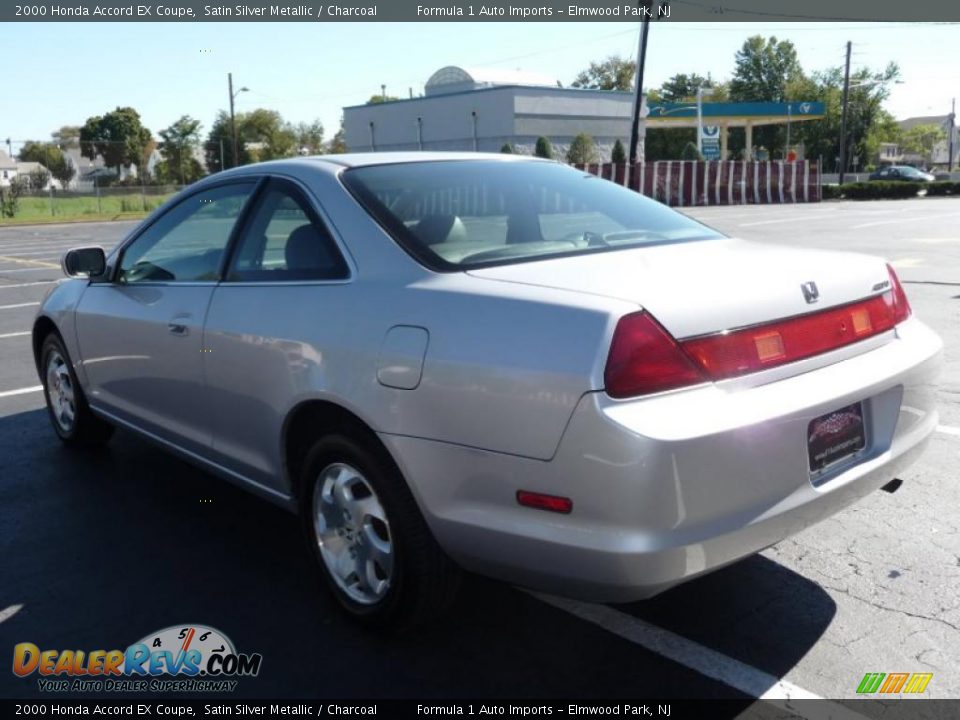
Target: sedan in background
x: 492, y: 363
x: 902, y: 173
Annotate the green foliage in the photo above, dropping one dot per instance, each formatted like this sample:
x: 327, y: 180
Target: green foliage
x: 221, y: 137
x: 763, y: 69
x: 582, y: 150
x: 10, y: 197
x: 309, y: 137
x: 67, y: 137
x: 52, y: 158
x: 922, y: 139
x: 944, y: 187
x: 543, y: 149
x: 507, y: 149
x: 618, y: 155
x: 119, y: 137
x: 690, y: 152
x: 830, y: 192
x: 683, y: 87
x: 667, y: 143
x: 880, y: 190
x: 179, y: 142
x: 338, y: 143
x: 381, y: 98
x: 39, y: 178
x: 614, y: 73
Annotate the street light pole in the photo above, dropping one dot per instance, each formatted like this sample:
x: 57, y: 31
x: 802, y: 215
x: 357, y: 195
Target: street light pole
x: 952, y: 131
x: 638, y: 90
x: 233, y: 119
x: 843, y: 116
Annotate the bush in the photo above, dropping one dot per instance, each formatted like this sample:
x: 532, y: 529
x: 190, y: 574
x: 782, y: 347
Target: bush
x: 878, y: 190
x: 618, y: 155
x: 507, y: 149
x: 543, y: 148
x: 582, y: 150
x: 690, y: 152
x: 830, y: 192
x: 943, y: 188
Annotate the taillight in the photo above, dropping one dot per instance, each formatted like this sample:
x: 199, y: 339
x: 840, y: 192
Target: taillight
x: 645, y: 359
x: 901, y: 306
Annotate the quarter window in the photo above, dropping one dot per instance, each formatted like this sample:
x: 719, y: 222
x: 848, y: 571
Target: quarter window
x: 284, y: 241
x: 187, y: 243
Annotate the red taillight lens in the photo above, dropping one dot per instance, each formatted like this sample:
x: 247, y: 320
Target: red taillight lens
x: 540, y: 501
x: 901, y: 306
x: 645, y: 359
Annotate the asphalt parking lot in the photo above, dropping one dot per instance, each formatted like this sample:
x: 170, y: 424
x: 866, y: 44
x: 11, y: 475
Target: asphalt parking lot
x: 99, y: 549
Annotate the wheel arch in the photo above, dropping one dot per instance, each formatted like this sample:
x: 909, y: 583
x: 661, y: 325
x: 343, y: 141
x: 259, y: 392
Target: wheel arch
x: 42, y: 327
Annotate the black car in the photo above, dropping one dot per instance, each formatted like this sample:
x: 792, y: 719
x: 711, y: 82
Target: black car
x: 903, y: 173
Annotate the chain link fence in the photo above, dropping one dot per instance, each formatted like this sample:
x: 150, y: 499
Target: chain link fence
x: 97, y: 202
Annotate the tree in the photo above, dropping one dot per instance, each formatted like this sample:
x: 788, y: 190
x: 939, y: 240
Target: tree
x: 922, y: 139
x: 618, y: 155
x: 690, y: 152
x: 218, y: 150
x: 268, y: 136
x: 543, y: 148
x: 338, y: 143
x: 119, y: 137
x: 614, y: 73
x: 309, y: 137
x: 507, y: 149
x: 38, y: 178
x: 67, y: 137
x: 377, y: 99
x: 763, y: 69
x: 582, y: 150
x: 178, y: 143
x: 52, y: 158
x: 683, y: 87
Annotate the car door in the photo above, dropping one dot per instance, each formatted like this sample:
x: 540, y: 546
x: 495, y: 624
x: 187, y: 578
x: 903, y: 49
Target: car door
x: 141, y: 333
x: 274, y: 329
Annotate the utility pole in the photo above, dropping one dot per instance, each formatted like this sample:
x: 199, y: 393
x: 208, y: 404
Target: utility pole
x: 648, y: 6
x: 952, y: 131
x: 843, y: 115
x: 233, y: 119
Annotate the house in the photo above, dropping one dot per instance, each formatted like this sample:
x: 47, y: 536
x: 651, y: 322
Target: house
x: 8, y: 169
x: 940, y: 157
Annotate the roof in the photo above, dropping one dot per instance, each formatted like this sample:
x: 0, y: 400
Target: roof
x: 911, y: 122
x: 6, y: 163
x: 29, y: 167
x: 452, y: 78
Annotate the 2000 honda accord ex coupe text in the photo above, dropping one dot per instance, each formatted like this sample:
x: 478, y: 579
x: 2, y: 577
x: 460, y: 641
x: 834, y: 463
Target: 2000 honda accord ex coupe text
x: 494, y: 363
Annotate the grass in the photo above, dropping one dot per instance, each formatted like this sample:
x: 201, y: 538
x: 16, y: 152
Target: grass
x: 35, y: 210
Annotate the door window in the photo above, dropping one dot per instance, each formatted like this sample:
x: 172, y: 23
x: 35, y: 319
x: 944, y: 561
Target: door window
x: 285, y: 241
x: 187, y: 243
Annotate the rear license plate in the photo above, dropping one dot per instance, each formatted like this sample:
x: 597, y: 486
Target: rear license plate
x: 835, y: 436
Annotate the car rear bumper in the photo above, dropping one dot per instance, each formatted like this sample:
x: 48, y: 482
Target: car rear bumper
x: 669, y: 487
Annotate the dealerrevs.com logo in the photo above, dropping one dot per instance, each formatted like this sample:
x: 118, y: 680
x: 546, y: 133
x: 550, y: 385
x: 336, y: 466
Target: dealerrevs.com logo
x: 180, y: 658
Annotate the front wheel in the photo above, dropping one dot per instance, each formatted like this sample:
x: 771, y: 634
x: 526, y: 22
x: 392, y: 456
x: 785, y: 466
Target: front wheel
x: 69, y: 413
x: 370, y: 541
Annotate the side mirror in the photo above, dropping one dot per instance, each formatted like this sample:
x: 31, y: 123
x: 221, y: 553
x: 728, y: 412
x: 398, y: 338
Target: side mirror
x: 84, y: 262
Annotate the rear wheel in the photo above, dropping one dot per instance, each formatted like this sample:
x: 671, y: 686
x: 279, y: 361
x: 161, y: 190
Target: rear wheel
x: 370, y: 541
x: 70, y: 415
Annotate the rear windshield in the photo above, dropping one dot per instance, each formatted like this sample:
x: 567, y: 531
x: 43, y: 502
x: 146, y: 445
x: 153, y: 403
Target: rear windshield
x: 454, y: 215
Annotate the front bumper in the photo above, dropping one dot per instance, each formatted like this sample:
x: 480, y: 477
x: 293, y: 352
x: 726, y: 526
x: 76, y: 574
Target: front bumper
x: 669, y: 487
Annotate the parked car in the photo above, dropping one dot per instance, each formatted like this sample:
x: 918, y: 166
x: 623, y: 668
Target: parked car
x: 903, y: 173
x: 491, y: 362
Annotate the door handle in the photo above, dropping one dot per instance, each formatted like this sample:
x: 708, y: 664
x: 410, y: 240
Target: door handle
x: 178, y: 329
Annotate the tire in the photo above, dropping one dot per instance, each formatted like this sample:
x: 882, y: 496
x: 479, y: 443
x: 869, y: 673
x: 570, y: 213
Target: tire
x: 70, y: 416
x: 370, y: 542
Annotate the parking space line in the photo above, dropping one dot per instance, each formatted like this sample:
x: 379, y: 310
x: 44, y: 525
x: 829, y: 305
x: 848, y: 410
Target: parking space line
x: 948, y: 430
x: 14, y: 334
x: 24, y: 261
x: 29, y: 284
x: 18, y: 305
x: 7, y: 271
x: 793, y: 218
x: 21, y: 391
x: 710, y: 663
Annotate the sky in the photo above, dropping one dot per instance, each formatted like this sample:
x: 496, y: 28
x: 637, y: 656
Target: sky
x: 64, y: 73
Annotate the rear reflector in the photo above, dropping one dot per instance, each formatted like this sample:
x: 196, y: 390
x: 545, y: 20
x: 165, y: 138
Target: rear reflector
x: 553, y: 503
x: 644, y: 358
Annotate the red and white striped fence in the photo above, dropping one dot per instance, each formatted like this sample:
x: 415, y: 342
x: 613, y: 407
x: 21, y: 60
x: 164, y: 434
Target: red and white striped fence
x: 685, y: 183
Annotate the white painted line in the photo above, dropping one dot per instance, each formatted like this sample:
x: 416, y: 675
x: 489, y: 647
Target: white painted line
x: 21, y: 391
x: 6, y: 271
x: 774, y: 222
x: 707, y: 662
x: 18, y: 305
x: 14, y: 334
x: 912, y: 218
x: 9, y: 612
x: 948, y: 430
x: 30, y: 284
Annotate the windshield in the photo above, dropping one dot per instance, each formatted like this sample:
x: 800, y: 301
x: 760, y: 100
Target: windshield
x: 454, y: 215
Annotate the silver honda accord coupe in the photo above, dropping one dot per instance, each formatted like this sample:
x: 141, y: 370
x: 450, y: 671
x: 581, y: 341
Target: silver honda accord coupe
x: 491, y: 363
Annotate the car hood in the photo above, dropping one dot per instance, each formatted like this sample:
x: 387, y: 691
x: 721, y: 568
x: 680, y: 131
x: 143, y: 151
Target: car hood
x: 695, y: 288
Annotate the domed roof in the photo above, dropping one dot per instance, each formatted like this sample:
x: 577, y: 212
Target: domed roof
x: 457, y: 79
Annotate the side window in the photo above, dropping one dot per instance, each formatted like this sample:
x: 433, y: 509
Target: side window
x: 285, y: 241
x: 186, y: 244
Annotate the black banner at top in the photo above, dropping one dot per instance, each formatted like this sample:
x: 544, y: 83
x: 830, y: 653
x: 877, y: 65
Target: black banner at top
x: 498, y: 11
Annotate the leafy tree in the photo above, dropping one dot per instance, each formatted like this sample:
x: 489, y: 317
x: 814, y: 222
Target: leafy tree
x: 763, y: 69
x: 10, y: 197
x: 543, y: 149
x: 377, y: 99
x: 119, y: 137
x: 310, y: 137
x: 218, y: 150
x: 618, y: 155
x: 683, y: 87
x: 690, y: 152
x: 667, y: 143
x: 67, y: 137
x: 274, y: 138
x: 507, y: 149
x: 177, y: 148
x: 922, y: 139
x: 38, y: 178
x: 582, y: 150
x: 614, y: 73
x: 338, y: 143
x: 51, y: 157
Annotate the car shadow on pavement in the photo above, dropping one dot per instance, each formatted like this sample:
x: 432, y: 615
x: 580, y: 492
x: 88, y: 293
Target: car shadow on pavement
x: 103, y: 547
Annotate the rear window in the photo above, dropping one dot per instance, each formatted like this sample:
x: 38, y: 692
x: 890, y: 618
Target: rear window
x: 455, y: 215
